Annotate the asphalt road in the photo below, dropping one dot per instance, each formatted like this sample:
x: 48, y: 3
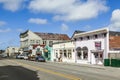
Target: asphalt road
x: 30, y: 70
x: 12, y: 72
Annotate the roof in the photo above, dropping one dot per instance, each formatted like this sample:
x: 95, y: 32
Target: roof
x: 24, y: 32
x: 52, y: 36
x: 76, y: 32
x: 114, y: 33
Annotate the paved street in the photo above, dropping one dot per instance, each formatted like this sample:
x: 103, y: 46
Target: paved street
x: 30, y: 70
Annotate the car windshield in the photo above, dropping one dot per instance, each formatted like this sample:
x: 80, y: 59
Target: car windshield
x: 40, y: 56
x: 24, y: 54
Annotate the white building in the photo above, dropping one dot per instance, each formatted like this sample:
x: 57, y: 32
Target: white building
x: 63, y: 52
x: 93, y: 47
x: 12, y: 51
x: 29, y: 38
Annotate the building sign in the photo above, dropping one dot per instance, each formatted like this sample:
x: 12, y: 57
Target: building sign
x: 98, y: 45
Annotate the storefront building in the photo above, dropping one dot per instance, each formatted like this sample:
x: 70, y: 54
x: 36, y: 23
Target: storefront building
x: 63, y: 52
x: 47, y: 52
x: 94, y: 46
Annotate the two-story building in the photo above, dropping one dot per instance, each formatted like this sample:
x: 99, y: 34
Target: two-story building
x: 12, y: 51
x: 93, y: 47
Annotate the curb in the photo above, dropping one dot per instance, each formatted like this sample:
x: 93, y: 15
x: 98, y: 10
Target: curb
x: 86, y: 65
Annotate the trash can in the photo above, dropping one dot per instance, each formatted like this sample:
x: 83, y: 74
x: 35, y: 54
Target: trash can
x: 118, y: 62
x: 114, y: 62
x: 106, y: 62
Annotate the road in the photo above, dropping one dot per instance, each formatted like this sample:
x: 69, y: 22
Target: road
x: 13, y: 69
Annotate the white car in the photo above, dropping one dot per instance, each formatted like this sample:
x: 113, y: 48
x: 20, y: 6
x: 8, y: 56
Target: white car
x: 25, y: 57
x: 22, y: 56
x: 3, y: 55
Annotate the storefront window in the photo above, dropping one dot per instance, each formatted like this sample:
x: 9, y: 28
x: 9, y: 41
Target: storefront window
x: 101, y: 55
x: 79, y: 55
x: 78, y: 49
x: 88, y: 37
x: 65, y: 53
x: 60, y: 53
x: 96, y: 36
x: 85, y: 52
x: 85, y: 55
x: 56, y: 55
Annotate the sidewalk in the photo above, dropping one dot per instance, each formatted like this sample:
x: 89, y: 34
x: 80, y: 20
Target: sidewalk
x: 87, y: 65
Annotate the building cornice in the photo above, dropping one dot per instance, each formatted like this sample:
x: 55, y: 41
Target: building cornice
x: 99, y: 31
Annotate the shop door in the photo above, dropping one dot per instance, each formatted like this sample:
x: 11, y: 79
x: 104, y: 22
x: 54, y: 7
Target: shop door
x: 98, y: 58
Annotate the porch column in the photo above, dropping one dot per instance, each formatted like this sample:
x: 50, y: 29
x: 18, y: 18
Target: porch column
x: 67, y: 53
x: 81, y: 54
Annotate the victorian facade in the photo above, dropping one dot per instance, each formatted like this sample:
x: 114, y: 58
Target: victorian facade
x: 32, y: 42
x: 94, y: 46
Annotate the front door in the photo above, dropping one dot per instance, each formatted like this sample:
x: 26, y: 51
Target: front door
x: 98, y: 58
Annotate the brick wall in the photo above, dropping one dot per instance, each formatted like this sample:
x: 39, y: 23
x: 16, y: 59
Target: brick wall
x: 114, y: 42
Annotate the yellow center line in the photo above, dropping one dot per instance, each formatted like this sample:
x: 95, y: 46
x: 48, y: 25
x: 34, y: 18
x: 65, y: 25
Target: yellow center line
x: 68, y: 76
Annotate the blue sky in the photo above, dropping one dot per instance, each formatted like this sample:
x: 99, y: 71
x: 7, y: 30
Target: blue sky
x: 55, y: 16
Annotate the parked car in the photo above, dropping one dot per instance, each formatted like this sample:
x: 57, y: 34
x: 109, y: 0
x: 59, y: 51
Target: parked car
x: 31, y: 58
x: 22, y: 56
x: 40, y: 58
x: 3, y: 55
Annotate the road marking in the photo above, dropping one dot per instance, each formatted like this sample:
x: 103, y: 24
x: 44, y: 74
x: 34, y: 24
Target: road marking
x: 68, y: 76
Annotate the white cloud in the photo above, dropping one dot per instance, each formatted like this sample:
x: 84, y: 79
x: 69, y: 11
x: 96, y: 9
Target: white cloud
x: 115, y: 15
x: 5, y: 30
x: 69, y: 9
x: 64, y: 27
x: 115, y: 20
x: 2, y: 23
x: 12, y: 5
x: 37, y: 21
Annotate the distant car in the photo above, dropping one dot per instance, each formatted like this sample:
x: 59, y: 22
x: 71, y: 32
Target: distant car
x: 31, y: 57
x: 22, y: 56
x: 40, y: 58
x: 25, y: 57
x: 3, y: 55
